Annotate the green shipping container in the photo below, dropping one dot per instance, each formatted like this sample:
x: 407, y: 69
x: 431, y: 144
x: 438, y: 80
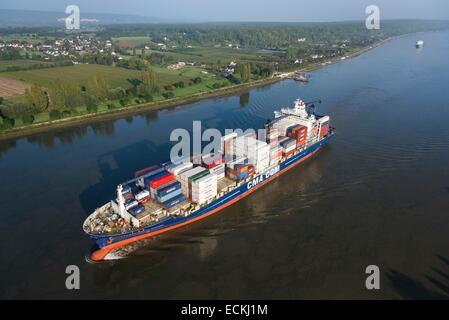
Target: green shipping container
x: 198, y: 175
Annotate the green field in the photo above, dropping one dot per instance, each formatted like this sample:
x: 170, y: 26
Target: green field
x: 118, y: 77
x: 212, y: 55
x: 131, y: 42
x: 28, y: 38
x: 4, y: 64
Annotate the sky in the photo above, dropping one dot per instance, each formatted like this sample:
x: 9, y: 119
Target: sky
x: 247, y: 10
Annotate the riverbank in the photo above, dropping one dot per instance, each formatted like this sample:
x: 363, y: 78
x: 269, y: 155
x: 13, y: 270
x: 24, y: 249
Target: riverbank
x: 23, y: 131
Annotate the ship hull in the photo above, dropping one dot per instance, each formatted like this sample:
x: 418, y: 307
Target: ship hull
x: 107, y: 243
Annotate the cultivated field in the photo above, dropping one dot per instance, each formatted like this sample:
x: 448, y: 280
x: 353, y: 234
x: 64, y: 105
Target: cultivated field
x: 5, y: 64
x: 212, y: 55
x: 11, y: 88
x: 118, y: 77
x: 131, y: 42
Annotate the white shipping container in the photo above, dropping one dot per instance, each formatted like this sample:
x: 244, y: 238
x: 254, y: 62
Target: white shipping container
x: 181, y: 167
x: 184, y: 176
x: 226, y: 139
x: 142, y: 194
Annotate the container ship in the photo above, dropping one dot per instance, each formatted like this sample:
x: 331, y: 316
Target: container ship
x: 167, y: 196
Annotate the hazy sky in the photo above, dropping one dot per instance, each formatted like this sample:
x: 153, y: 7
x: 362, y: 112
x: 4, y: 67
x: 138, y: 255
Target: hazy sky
x: 247, y: 10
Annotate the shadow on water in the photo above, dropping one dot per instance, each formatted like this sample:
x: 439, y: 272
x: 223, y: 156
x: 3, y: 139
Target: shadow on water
x: 6, y: 146
x: 117, y: 166
x: 409, y: 288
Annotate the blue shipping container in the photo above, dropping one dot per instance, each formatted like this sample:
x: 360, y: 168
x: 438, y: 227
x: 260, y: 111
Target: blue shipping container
x: 148, y: 179
x: 173, y: 202
x: 136, y: 210
x: 168, y: 196
x: 170, y: 187
x: 152, y: 173
x: 243, y: 175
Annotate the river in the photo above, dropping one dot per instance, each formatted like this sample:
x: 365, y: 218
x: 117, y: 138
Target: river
x: 378, y: 194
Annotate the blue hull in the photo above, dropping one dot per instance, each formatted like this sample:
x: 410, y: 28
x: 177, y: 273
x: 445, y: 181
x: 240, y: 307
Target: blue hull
x: 227, y: 199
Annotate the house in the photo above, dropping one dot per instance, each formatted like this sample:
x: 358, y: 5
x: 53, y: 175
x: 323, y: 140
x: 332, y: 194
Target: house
x: 177, y: 66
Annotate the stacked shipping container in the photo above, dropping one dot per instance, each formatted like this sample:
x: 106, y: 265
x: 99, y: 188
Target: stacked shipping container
x: 199, y: 184
x: 257, y: 152
x: 299, y: 133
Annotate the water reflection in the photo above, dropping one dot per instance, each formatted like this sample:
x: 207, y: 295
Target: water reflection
x: 244, y: 99
x: 66, y: 136
x: 5, y: 147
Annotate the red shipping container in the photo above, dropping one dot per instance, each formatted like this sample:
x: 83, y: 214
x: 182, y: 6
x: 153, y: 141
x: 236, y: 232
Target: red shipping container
x: 161, y: 180
x: 213, y: 162
x: 286, y: 154
x: 299, y: 128
x: 144, y: 200
x: 140, y: 172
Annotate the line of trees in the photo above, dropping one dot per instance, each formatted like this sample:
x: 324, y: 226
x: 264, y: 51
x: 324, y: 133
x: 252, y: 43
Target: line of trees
x: 62, y: 99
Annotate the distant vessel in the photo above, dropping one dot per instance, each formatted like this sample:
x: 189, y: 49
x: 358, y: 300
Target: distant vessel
x: 419, y: 43
x: 302, y: 78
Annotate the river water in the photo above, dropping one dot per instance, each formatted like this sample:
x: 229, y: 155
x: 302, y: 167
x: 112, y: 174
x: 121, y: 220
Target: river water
x: 378, y: 194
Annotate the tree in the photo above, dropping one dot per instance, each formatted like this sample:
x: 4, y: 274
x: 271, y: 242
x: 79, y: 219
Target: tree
x: 179, y: 84
x: 56, y: 92
x: 103, y: 85
x: 55, y: 114
x: 28, y: 119
x: 37, y: 97
x: 98, y: 86
x: 245, y: 72
x: 168, y: 95
x: 197, y: 80
x: 148, y: 83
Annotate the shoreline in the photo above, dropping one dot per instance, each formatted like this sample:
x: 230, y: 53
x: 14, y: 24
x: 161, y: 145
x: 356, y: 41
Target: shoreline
x: 25, y: 131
